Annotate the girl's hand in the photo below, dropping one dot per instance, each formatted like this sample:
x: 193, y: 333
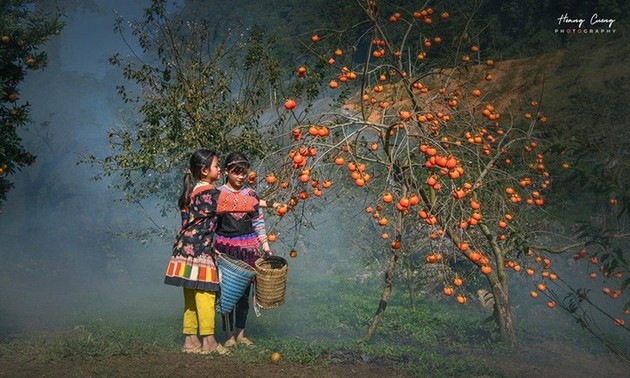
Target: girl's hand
x: 264, y: 203
x: 266, y: 249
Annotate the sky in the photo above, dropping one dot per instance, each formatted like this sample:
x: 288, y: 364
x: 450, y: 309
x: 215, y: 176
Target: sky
x: 89, y: 40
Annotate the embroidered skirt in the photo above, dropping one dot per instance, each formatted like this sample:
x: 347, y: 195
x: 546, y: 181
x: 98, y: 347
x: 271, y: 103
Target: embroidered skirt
x: 242, y: 247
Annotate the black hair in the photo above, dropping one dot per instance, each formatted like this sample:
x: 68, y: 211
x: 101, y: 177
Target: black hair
x: 236, y: 162
x: 199, y: 159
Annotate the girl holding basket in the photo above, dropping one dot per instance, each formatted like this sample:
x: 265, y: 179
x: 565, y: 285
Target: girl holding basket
x: 191, y: 265
x: 240, y: 236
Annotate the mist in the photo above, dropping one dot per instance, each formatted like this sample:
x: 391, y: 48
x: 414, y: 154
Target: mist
x: 62, y: 262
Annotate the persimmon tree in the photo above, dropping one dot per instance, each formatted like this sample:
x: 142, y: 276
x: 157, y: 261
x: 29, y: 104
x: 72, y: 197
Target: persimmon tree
x: 23, y: 31
x: 453, y: 171
x: 404, y: 111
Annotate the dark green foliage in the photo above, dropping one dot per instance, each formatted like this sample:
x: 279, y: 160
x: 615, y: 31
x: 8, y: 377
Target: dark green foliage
x: 23, y: 32
x: 598, y: 154
x: 598, y: 178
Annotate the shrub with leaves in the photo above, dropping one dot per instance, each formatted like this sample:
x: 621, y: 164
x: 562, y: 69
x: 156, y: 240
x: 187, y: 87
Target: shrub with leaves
x: 192, y: 87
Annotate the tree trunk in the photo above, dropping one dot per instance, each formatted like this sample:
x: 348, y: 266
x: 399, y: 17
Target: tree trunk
x: 499, y: 285
x: 504, y: 313
x: 385, y: 295
x: 411, y: 287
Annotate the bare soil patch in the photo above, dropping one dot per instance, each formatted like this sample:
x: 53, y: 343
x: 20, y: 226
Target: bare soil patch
x: 547, y: 359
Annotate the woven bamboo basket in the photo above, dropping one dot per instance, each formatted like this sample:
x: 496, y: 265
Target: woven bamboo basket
x: 234, y: 277
x: 271, y: 281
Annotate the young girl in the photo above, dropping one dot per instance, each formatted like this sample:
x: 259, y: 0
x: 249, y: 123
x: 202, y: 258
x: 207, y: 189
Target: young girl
x: 239, y: 236
x: 191, y: 265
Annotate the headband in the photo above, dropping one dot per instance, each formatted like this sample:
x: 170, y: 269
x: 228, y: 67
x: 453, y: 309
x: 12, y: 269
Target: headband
x: 237, y: 162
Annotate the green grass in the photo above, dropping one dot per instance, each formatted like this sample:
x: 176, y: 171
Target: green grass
x: 104, y: 340
x: 97, y: 339
x: 322, y: 322
x: 319, y: 327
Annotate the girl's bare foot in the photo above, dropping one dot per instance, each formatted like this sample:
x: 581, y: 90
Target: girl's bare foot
x: 229, y: 343
x: 191, y: 344
x: 243, y: 340
x: 209, y: 343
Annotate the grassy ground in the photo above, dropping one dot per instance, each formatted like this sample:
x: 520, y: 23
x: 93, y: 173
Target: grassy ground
x: 318, y: 332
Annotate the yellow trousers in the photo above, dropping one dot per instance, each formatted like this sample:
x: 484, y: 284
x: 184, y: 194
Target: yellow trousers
x: 199, y: 312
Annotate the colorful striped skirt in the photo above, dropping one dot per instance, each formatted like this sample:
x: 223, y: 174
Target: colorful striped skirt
x: 197, y: 273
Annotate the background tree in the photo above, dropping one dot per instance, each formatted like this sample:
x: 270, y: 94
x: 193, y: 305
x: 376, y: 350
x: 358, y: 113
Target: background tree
x: 596, y: 176
x: 23, y: 32
x: 194, y: 85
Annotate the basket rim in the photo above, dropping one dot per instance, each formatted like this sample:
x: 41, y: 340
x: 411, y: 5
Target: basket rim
x: 258, y: 263
x: 273, y: 257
